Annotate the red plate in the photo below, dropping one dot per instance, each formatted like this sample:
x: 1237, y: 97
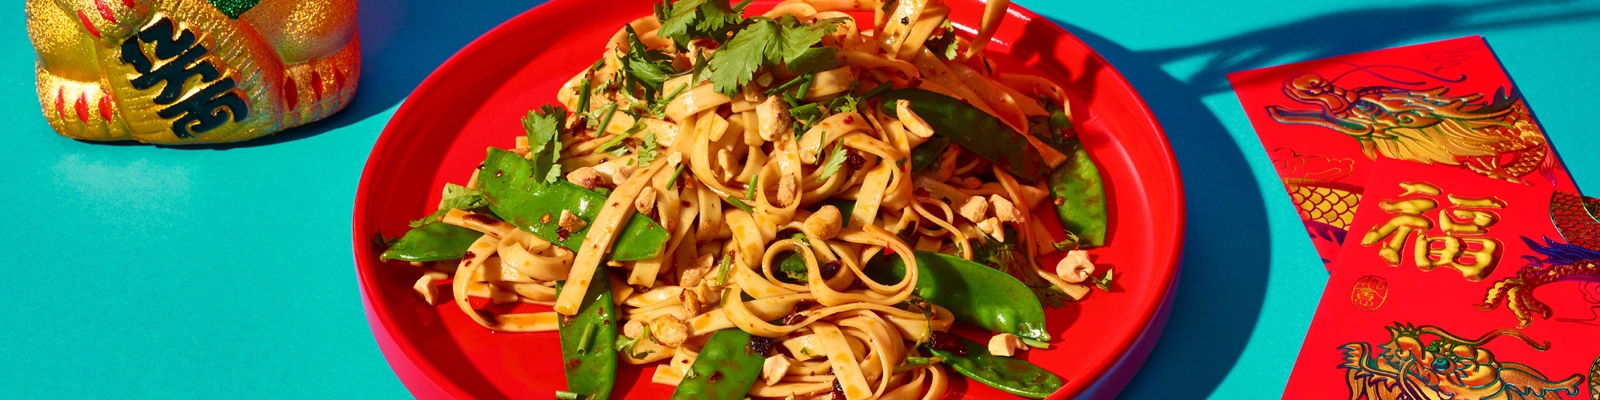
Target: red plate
x: 475, y: 101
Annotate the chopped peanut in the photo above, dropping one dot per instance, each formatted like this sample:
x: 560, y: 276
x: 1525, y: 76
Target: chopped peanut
x: 571, y: 222
x: 975, y: 208
x: 427, y: 289
x: 633, y: 328
x: 1075, y: 267
x: 669, y: 330
x: 774, y: 368
x: 788, y: 191
x: 772, y: 116
x: 646, y: 201
x: 1005, y: 345
x: 970, y: 183
x: 1005, y: 210
x: 691, y: 303
x: 694, y: 273
x: 825, y: 223
x: 994, y: 228
x: 586, y: 177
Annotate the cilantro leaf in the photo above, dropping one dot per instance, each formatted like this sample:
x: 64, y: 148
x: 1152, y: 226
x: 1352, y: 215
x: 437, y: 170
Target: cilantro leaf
x: 1104, y: 282
x: 835, y: 160
x: 644, y: 67
x: 943, y: 42
x: 687, y: 20
x: 455, y: 196
x: 647, y: 150
x: 544, y: 128
x: 625, y: 344
x: 736, y: 63
x: 765, y: 42
x: 794, y: 267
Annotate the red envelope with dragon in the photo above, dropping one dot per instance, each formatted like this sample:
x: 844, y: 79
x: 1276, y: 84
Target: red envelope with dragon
x: 1324, y: 123
x: 1456, y: 285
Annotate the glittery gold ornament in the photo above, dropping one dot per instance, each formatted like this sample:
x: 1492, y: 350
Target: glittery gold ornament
x: 192, y: 71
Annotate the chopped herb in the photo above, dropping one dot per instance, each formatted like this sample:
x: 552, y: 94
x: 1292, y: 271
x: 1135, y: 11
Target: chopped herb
x: 835, y: 160
x: 673, y: 181
x: 543, y: 127
x: 609, y: 111
x: 625, y: 344
x: 794, y: 266
x: 638, y: 124
x: 585, y: 338
x: 661, y: 104
x: 1069, y: 244
x: 698, y: 67
x: 687, y: 20
x: 565, y: 395
x: 911, y: 363
x: 750, y: 189
x: 943, y: 42
x: 792, y: 81
x: 764, y: 42
x: 603, y: 191
x: 582, y: 110
x: 806, y: 112
x: 723, y: 268
x: 380, y: 241
x: 647, y: 150
x: 455, y: 196
x: 740, y: 204
x: 1104, y: 282
x: 643, y: 67
x: 614, y: 144
x: 1034, y: 343
x: 874, y: 92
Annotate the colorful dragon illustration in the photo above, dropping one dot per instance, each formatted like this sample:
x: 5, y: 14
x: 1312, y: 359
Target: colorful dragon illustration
x: 1495, y: 138
x: 1448, y: 367
x: 1578, y: 220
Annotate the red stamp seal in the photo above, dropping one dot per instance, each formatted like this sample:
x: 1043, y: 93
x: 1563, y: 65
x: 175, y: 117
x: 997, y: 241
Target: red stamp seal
x: 1369, y: 292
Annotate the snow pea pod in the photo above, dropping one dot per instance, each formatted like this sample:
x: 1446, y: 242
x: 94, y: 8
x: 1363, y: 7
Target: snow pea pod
x: 973, y: 129
x: 506, y: 182
x: 586, y: 337
x: 433, y: 241
x: 726, y: 368
x: 1079, y: 196
x: 974, y: 293
x: 1008, y: 374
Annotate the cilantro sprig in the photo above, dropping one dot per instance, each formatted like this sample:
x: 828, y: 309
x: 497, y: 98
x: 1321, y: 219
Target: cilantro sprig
x: 544, y: 127
x: 766, y: 43
x: 644, y: 68
x: 687, y: 20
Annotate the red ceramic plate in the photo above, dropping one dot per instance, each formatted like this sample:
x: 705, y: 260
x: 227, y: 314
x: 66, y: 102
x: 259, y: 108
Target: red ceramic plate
x: 475, y: 101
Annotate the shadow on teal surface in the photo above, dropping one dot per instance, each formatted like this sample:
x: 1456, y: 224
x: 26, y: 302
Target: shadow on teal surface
x: 1225, y: 264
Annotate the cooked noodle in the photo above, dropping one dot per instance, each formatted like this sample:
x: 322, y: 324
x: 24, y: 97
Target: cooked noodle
x: 836, y: 324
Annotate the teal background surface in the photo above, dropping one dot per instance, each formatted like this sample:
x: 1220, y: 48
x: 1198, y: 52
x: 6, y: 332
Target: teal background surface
x: 225, y: 271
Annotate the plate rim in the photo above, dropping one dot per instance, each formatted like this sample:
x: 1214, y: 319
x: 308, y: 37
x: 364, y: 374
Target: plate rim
x: 1147, y: 311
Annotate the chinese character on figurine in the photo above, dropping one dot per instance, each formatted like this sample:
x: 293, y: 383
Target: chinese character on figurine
x: 192, y: 71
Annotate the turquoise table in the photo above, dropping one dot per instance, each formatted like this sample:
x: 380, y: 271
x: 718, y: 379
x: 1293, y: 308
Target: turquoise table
x: 138, y: 271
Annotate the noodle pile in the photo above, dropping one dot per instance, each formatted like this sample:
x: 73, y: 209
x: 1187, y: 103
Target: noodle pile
x: 739, y: 189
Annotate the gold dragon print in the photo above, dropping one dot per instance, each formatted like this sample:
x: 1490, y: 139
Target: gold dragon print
x: 1577, y: 218
x: 1411, y: 367
x: 191, y: 71
x: 1494, y: 137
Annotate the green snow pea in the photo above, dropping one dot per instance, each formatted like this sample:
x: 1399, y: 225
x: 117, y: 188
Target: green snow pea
x: 1079, y: 196
x: 725, y: 369
x: 973, y: 129
x: 587, y: 353
x: 1008, y: 374
x: 928, y: 153
x: 433, y: 241
x: 506, y: 182
x: 974, y: 293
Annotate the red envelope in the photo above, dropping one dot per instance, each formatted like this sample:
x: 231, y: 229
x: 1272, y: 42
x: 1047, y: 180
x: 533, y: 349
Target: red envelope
x: 1449, y: 104
x: 1456, y: 285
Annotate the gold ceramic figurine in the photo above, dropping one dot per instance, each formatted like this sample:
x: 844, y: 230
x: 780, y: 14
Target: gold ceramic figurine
x: 192, y: 71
